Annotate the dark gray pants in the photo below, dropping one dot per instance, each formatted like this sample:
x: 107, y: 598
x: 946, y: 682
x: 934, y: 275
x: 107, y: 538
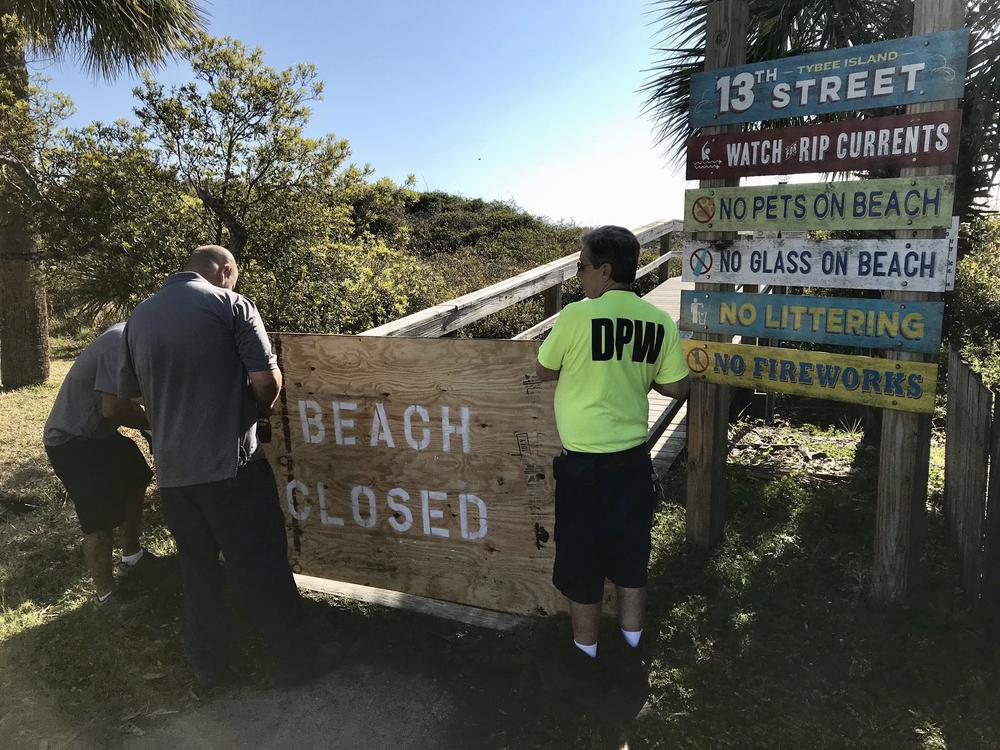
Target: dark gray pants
x: 242, y: 518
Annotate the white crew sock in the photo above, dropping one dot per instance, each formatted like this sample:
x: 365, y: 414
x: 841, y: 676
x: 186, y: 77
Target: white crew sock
x: 133, y: 559
x: 590, y: 650
x: 631, y: 636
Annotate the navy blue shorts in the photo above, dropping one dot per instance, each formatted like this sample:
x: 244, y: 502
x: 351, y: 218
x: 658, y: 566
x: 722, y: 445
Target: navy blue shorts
x: 104, y: 478
x: 604, y: 514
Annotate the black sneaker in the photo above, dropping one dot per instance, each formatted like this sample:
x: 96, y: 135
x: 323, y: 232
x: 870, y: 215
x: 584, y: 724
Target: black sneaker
x: 329, y: 656
x: 112, y: 603
x: 580, y: 680
x: 630, y: 664
x: 148, y: 564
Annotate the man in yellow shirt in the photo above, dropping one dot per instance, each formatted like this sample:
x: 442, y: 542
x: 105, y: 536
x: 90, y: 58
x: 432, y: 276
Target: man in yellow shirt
x: 607, y: 352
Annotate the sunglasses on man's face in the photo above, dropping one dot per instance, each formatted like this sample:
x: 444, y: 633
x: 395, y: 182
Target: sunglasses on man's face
x: 580, y: 266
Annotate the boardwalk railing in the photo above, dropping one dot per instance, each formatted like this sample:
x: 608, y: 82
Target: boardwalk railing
x: 972, y: 480
x: 443, y: 318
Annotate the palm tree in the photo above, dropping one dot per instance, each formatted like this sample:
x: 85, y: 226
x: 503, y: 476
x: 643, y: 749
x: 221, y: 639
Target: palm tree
x: 108, y: 36
x: 779, y: 28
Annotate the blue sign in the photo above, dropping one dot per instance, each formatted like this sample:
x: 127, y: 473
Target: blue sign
x: 924, y: 68
x: 839, y: 321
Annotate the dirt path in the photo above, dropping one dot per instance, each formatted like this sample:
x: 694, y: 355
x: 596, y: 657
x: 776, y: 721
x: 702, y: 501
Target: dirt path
x: 353, y: 707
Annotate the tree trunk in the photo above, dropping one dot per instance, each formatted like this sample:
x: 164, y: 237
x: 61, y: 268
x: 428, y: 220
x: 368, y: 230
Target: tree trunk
x: 24, y: 321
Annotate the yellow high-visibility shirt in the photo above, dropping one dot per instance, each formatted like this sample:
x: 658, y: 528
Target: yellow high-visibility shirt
x: 608, y: 352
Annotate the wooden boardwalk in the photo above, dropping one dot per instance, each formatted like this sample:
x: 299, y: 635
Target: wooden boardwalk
x: 667, y: 296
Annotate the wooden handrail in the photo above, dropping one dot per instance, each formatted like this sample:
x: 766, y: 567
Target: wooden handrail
x: 449, y: 316
x: 545, y: 325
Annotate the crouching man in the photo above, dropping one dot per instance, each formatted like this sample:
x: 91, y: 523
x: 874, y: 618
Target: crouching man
x: 103, y: 471
x: 607, y: 352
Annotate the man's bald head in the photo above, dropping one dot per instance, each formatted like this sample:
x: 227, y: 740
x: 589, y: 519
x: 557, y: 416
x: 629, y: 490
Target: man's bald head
x: 216, y: 264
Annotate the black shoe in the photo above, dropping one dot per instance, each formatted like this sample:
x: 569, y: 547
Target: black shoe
x: 329, y: 656
x: 630, y: 665
x: 579, y: 680
x: 148, y: 564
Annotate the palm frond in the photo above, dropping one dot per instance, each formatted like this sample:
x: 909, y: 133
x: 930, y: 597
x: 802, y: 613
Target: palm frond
x: 780, y: 28
x: 109, y: 36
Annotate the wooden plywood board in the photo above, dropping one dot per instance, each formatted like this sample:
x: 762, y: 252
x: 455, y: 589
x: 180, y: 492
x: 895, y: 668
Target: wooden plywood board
x: 924, y: 68
x: 898, y: 203
x: 840, y: 321
x: 419, y: 465
x: 913, y: 140
x: 925, y: 265
x: 884, y: 383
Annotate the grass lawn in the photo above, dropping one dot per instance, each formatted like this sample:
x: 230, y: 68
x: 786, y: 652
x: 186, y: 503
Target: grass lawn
x: 768, y: 643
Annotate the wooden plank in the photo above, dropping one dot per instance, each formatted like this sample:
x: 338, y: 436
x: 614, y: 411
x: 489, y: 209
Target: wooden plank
x: 840, y: 377
x: 459, y: 312
x: 916, y: 140
x: 419, y: 465
x: 905, y: 446
x: 838, y: 321
x: 553, y: 301
x: 655, y: 230
x: 953, y: 436
x: 923, y: 68
x: 708, y: 403
x: 974, y: 405
x: 912, y: 264
x: 898, y: 203
x: 481, y: 618
x: 539, y: 328
x: 991, y: 535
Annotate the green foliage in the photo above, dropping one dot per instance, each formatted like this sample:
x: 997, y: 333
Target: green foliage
x: 109, y: 35
x: 972, y: 316
x: 235, y: 136
x: 117, y: 223
x: 323, y: 246
x: 340, y: 288
x: 496, y: 234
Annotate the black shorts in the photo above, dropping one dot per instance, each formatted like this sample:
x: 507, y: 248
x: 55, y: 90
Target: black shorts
x: 102, y: 477
x: 604, y: 514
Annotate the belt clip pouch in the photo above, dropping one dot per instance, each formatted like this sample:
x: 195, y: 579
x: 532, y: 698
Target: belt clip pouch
x: 569, y: 468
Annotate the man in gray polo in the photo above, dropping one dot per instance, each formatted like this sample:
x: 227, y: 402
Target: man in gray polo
x: 103, y: 471
x: 198, y: 355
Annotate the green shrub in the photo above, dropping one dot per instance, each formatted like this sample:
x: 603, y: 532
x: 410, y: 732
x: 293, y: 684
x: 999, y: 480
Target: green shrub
x: 972, y: 318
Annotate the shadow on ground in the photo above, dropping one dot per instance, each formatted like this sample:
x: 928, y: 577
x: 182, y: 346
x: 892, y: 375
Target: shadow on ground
x: 768, y: 643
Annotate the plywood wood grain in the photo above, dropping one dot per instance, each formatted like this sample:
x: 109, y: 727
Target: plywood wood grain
x: 419, y: 465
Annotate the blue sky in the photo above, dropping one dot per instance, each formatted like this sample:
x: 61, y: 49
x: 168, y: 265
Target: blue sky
x: 531, y: 101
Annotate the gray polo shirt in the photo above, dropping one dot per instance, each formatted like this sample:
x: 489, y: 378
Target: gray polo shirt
x: 77, y: 409
x: 187, y: 351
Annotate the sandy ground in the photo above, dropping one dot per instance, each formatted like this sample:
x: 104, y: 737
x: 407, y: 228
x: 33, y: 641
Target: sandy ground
x: 353, y: 707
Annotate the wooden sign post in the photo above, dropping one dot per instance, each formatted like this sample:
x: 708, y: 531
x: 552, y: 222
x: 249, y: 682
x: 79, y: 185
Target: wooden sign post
x: 906, y: 438
x: 708, y: 403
